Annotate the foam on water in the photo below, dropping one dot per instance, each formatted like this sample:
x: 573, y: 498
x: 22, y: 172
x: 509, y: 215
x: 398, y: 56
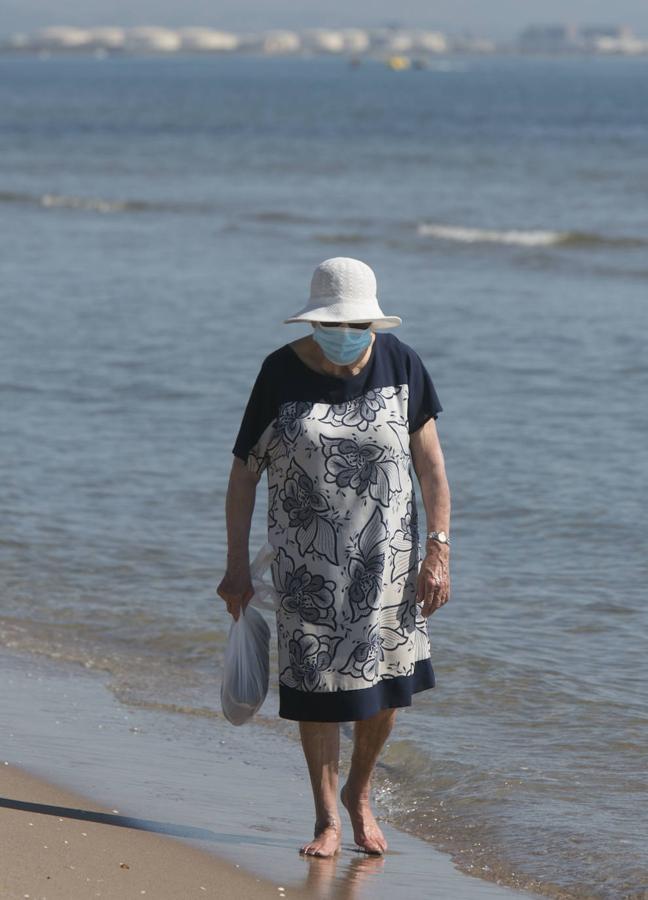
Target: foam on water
x: 524, y: 238
x: 474, y: 235
x: 447, y: 232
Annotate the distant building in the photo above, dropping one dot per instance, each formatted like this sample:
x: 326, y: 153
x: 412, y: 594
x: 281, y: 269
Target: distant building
x: 275, y: 42
x: 467, y: 44
x: 391, y: 40
x: 106, y: 37
x: 617, y: 32
x: 152, y: 39
x: 585, y: 38
x: 400, y: 42
x: 549, y: 38
x: 324, y: 40
x: 207, y: 40
x: 626, y: 46
x: 60, y: 37
x: 356, y: 40
x: 430, y: 41
x: 612, y: 39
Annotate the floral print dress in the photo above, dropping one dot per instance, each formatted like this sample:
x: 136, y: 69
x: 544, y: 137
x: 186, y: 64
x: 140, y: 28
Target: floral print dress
x: 343, y: 522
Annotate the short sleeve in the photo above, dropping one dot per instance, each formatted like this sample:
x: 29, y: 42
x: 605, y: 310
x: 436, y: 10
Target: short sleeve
x: 423, y: 402
x: 255, y: 431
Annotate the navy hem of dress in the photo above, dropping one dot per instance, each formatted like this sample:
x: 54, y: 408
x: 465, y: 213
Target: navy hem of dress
x: 354, y: 705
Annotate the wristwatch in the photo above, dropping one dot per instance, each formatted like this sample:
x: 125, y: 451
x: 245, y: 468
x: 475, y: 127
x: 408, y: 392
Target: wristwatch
x: 439, y: 536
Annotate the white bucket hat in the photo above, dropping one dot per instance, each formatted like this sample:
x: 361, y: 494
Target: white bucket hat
x: 343, y: 289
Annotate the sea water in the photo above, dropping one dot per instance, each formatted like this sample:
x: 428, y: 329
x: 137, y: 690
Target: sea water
x: 158, y: 220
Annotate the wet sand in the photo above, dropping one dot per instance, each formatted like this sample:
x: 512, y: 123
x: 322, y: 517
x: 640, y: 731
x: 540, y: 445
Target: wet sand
x: 60, y: 845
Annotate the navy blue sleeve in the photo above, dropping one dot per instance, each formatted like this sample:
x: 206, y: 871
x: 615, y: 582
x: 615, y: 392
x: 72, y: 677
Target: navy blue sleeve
x: 423, y: 402
x: 254, y: 434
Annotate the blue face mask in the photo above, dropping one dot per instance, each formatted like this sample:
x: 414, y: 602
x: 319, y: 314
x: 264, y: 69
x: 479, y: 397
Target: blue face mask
x: 341, y: 344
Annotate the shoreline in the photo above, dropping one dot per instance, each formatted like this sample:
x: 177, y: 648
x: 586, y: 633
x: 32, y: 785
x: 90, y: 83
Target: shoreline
x: 211, y: 798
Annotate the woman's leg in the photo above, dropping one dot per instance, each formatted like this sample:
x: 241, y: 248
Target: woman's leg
x: 321, y: 744
x: 369, y: 737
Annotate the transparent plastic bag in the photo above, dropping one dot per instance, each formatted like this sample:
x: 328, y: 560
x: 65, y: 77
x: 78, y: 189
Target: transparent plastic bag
x: 246, y: 668
x: 265, y: 595
x: 247, y: 656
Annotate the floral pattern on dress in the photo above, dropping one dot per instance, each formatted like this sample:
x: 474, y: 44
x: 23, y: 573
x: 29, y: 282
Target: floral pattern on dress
x: 385, y: 635
x: 366, y: 565
x: 404, y: 549
x: 361, y: 465
x: 310, y: 656
x: 360, y: 412
x: 289, y: 420
x: 309, y: 514
x: 302, y: 593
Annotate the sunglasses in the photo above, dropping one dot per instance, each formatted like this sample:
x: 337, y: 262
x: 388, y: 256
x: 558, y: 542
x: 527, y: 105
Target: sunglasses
x: 362, y: 325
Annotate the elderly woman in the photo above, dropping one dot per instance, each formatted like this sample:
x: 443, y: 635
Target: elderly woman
x: 337, y: 418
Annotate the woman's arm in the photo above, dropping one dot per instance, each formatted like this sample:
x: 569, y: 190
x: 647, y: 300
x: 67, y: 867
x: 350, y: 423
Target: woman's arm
x: 433, y: 588
x: 236, y: 587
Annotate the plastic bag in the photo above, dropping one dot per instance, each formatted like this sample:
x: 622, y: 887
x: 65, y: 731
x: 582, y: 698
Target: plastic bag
x: 265, y: 595
x: 247, y: 657
x: 246, y: 668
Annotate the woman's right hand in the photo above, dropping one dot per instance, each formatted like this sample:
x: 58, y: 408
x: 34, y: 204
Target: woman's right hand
x: 236, y: 590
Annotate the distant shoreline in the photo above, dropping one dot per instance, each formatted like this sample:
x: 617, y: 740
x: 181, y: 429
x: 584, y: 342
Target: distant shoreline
x: 98, y: 54
x: 359, y: 43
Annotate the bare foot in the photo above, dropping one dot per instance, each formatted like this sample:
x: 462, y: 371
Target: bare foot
x: 326, y: 842
x: 366, y: 831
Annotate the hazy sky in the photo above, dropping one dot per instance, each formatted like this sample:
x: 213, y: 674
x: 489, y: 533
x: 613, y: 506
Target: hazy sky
x: 494, y: 18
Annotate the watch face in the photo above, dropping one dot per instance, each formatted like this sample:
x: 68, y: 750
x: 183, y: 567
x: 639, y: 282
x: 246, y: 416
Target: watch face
x: 442, y: 536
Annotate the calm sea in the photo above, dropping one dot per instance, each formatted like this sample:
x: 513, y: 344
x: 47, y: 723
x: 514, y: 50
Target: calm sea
x: 159, y: 218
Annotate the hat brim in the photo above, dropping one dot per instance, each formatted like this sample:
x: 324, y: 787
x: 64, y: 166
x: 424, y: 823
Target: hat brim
x: 344, y: 312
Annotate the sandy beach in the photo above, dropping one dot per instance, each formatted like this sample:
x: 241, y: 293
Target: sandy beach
x: 103, y: 799
x: 60, y: 845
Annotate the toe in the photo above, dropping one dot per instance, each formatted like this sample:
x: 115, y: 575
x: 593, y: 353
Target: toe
x: 322, y: 846
x: 375, y: 844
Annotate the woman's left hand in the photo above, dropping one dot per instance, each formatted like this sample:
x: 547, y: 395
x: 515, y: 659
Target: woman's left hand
x: 433, y: 585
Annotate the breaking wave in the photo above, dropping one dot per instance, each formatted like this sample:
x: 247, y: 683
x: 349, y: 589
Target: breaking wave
x: 522, y: 237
